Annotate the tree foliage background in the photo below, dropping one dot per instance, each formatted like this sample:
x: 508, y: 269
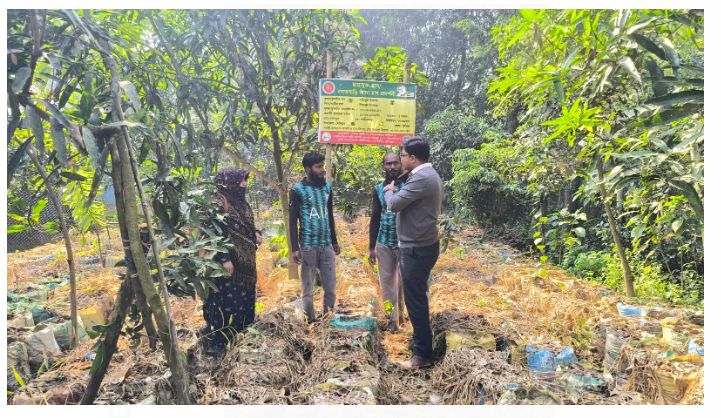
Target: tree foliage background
x: 541, y: 121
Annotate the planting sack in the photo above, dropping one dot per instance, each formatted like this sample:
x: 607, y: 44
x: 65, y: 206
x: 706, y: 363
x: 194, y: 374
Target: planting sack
x: 63, y: 333
x: 540, y: 360
x: 17, y: 359
x: 23, y: 319
x: 40, y: 314
x: 93, y: 316
x: 566, y: 357
x: 455, y: 340
x: 41, y: 345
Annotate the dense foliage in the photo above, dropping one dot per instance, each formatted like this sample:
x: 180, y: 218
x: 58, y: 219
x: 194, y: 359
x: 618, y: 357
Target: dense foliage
x: 575, y: 134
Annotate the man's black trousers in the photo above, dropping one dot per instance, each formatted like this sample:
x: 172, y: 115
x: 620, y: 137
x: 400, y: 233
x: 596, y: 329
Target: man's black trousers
x: 416, y: 265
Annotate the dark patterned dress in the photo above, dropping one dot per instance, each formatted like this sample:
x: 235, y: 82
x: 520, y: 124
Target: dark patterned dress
x: 232, y: 308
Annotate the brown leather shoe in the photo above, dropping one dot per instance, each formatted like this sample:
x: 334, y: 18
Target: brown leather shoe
x: 417, y: 362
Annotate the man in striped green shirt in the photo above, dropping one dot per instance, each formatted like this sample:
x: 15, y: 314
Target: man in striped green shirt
x: 383, y: 243
x: 314, y: 244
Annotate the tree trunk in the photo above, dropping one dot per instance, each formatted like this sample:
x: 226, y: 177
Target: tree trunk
x: 100, y: 247
x: 110, y: 340
x: 140, y: 300
x: 627, y: 277
x: 124, y: 299
x: 172, y: 354
x: 284, y: 203
x: 52, y: 194
x: 130, y: 179
x: 292, y: 266
x: 573, y: 186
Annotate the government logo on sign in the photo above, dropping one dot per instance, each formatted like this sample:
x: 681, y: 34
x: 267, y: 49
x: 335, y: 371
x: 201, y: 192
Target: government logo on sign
x: 328, y: 87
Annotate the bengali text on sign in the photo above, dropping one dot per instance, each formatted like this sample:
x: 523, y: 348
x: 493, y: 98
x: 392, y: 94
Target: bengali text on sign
x: 366, y: 112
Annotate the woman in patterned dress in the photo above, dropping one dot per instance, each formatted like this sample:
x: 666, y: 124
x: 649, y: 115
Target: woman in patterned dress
x: 232, y: 308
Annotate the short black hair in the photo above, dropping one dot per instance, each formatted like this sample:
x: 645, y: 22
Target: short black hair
x: 312, y: 158
x: 417, y: 146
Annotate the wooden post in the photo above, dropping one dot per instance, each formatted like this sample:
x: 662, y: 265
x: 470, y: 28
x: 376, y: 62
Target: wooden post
x: 328, y: 147
x: 401, y: 296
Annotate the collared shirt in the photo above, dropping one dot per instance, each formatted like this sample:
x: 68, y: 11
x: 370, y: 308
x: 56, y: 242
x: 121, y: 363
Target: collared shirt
x: 421, y: 167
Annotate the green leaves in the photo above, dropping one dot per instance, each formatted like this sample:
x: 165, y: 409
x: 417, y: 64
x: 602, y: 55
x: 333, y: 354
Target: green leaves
x: 627, y: 64
x: 21, y: 77
x: 577, y: 117
x: 17, y: 158
x: 132, y: 94
x: 691, y: 194
x: 91, y: 145
x: 59, y: 145
x: 37, y: 210
x: 33, y: 122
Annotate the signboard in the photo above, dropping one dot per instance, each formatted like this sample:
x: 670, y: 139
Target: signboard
x: 366, y: 112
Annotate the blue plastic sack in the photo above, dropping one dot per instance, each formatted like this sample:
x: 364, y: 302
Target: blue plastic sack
x: 566, y: 357
x: 694, y: 348
x: 541, y: 360
x: 346, y: 322
x: 628, y: 310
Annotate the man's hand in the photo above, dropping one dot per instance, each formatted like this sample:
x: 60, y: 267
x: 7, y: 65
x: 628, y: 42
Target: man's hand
x: 296, y: 257
x: 372, y: 256
x: 229, y: 266
x: 390, y: 186
x: 336, y: 249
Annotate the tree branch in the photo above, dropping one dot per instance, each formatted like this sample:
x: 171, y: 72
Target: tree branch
x: 240, y: 161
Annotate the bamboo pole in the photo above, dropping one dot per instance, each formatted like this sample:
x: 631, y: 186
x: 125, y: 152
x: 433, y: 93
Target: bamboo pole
x: 401, y: 296
x: 328, y: 147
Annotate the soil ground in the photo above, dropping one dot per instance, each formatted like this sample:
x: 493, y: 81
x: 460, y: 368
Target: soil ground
x: 491, y: 311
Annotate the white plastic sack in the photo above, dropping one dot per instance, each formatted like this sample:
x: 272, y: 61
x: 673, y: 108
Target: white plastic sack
x: 41, y: 345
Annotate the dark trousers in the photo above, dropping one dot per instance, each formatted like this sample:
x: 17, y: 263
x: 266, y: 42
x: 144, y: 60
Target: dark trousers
x: 416, y: 265
x: 229, y: 310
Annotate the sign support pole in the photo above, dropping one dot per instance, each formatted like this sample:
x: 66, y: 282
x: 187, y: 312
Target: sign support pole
x: 401, y: 295
x: 328, y: 147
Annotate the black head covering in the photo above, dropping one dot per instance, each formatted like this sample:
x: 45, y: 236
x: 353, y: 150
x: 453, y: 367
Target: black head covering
x: 228, y: 182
